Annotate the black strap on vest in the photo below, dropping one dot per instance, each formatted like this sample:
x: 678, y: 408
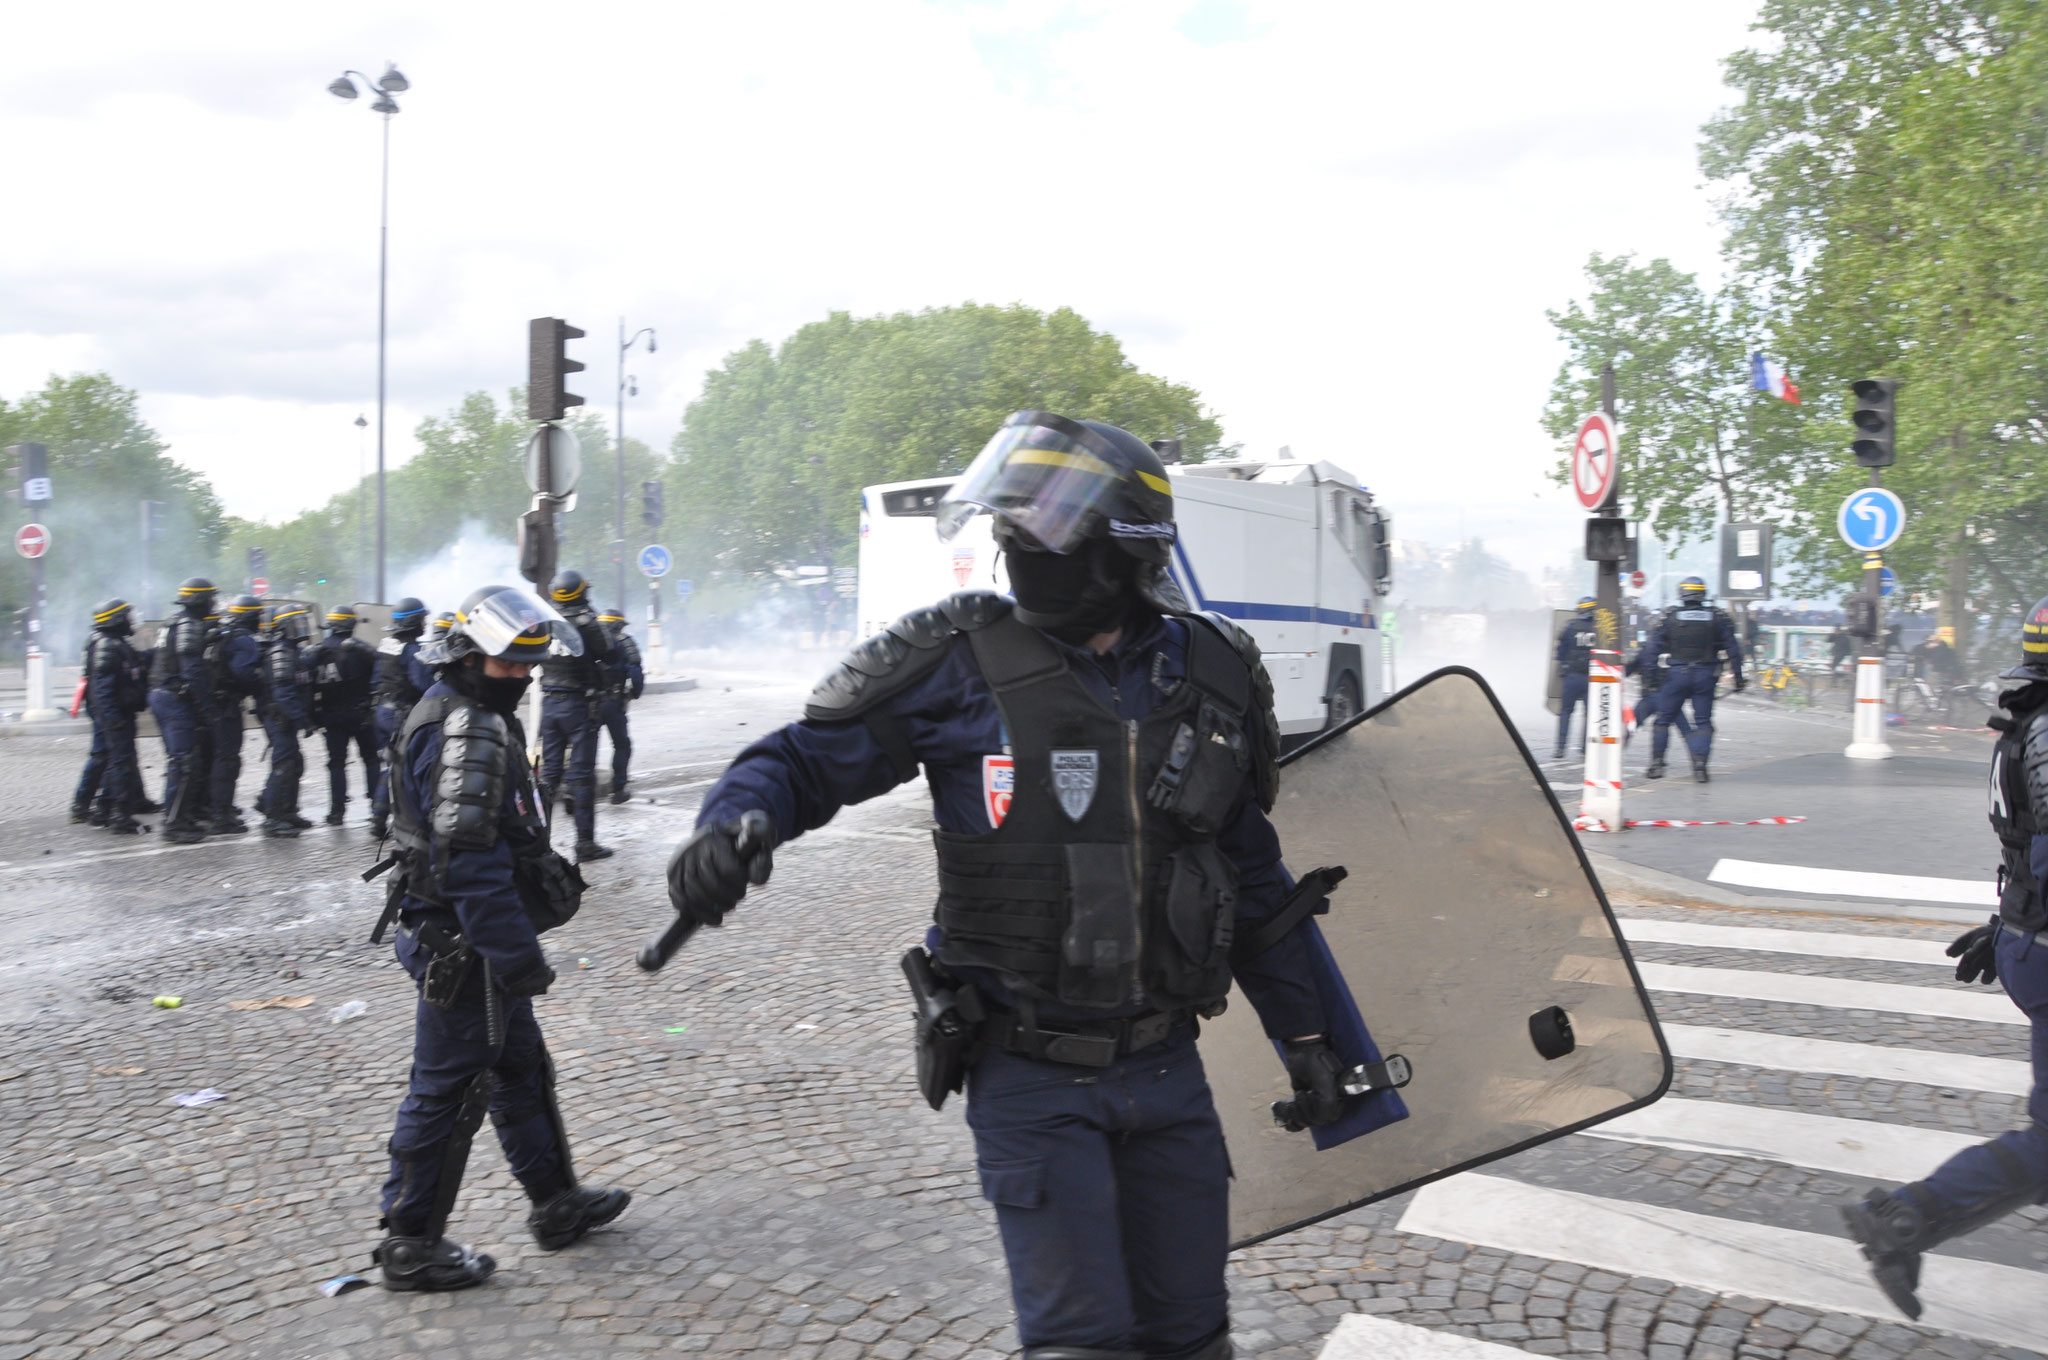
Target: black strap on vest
x: 1012, y: 655
x: 1308, y: 894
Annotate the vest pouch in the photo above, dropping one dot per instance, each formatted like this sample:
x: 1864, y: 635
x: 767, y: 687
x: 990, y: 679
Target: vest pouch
x: 1199, y: 900
x: 1099, y: 952
x: 1202, y: 779
x: 550, y: 888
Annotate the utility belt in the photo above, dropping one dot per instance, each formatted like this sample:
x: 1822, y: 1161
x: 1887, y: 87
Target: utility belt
x: 1083, y: 1043
x: 550, y: 888
x: 449, y: 964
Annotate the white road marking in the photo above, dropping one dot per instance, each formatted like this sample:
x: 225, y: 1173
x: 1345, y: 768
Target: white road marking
x: 1361, y: 1336
x: 1745, y: 873
x: 1850, y: 1147
x: 1841, y: 993
x: 1820, y: 943
x: 1792, y: 1053
x: 2000, y: 1304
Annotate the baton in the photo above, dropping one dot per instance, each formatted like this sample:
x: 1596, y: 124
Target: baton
x: 659, y: 951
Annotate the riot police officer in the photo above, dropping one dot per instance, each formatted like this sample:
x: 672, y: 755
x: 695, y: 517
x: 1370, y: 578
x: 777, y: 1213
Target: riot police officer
x: 572, y: 698
x: 1092, y: 737
x: 342, y: 666
x: 285, y: 713
x: 1983, y: 1183
x: 181, y: 696
x: 399, y: 683
x: 476, y: 883
x: 1574, y: 658
x: 625, y: 681
x: 237, y: 676
x: 1692, y: 634
x: 438, y: 628
x: 116, y: 689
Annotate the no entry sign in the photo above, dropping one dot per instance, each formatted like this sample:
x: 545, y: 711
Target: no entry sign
x: 259, y: 586
x: 1637, y: 580
x: 32, y: 540
x: 1594, y: 459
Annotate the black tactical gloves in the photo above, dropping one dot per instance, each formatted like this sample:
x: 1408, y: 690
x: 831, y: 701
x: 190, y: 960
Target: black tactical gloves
x: 1976, y: 953
x: 710, y: 872
x: 1315, y: 1070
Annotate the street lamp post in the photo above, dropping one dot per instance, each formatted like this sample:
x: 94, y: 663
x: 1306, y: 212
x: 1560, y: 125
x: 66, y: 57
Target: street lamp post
x: 619, y: 441
x: 362, y: 517
x: 343, y: 87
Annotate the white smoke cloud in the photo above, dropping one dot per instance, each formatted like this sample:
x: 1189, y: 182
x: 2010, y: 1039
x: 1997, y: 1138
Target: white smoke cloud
x: 477, y: 557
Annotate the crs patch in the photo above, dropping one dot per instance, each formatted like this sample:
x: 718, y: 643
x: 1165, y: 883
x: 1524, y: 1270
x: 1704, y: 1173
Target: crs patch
x: 998, y: 786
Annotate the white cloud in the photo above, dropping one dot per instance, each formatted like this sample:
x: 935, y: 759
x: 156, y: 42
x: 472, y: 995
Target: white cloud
x: 1340, y: 221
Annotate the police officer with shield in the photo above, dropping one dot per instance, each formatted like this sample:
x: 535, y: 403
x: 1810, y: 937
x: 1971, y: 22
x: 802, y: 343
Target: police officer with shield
x: 399, y: 683
x: 1693, y: 635
x: 285, y: 713
x: 572, y: 689
x: 625, y: 681
x: 181, y: 696
x: 1574, y: 658
x: 475, y: 885
x: 1984, y: 1183
x: 116, y: 689
x: 1101, y: 761
x: 237, y: 676
x: 343, y: 666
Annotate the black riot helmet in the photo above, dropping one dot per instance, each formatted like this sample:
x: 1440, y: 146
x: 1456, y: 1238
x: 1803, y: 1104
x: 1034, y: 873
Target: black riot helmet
x: 2033, y: 646
x: 196, y: 595
x: 569, y: 590
x: 342, y: 620
x: 507, y: 622
x: 614, y: 620
x: 442, y: 622
x: 1692, y: 591
x: 113, y: 617
x: 1084, y: 515
x: 1588, y: 604
x: 289, y: 619
x: 245, y: 613
x: 408, y: 618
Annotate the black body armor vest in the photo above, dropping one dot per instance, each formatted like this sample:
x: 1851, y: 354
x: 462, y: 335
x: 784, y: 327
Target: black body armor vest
x: 2014, y: 817
x: 1104, y: 885
x: 180, y: 650
x: 583, y: 674
x: 1692, y: 636
x: 282, y: 670
x: 1581, y: 636
x: 393, y: 686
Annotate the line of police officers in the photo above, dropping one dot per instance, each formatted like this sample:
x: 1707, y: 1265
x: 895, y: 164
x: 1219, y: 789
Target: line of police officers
x: 209, y: 663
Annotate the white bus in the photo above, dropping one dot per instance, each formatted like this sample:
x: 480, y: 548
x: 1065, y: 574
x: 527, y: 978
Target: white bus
x: 1296, y: 552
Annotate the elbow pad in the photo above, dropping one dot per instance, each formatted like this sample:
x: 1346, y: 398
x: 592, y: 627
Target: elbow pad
x: 470, y: 780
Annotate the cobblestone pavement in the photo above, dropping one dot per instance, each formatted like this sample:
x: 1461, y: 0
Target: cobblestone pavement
x: 794, y: 1197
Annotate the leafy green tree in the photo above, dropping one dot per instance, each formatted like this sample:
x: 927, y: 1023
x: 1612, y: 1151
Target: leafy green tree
x: 770, y: 460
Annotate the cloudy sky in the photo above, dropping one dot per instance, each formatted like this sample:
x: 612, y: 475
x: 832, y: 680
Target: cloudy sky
x: 1340, y: 221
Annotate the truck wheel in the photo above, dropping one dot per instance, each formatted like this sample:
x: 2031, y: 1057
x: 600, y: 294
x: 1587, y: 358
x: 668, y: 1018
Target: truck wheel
x: 1344, y: 700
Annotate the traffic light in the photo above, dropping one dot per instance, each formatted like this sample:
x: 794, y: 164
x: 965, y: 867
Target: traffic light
x: 152, y: 521
x: 1876, y: 421
x: 650, y: 504
x: 257, y: 564
x: 1862, y: 615
x: 548, y: 367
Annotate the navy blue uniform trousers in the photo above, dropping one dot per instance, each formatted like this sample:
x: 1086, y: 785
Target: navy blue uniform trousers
x: 613, y: 716
x: 185, y: 754
x: 111, y: 772
x: 568, y: 757
x: 1573, y: 696
x: 1111, y: 1191
x: 1683, y: 682
x: 341, y: 733
x: 2015, y: 1162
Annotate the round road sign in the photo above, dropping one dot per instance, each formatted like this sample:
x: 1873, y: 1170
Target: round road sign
x: 32, y: 540
x: 655, y: 560
x: 1637, y: 580
x: 259, y: 586
x: 1872, y: 519
x: 1594, y: 460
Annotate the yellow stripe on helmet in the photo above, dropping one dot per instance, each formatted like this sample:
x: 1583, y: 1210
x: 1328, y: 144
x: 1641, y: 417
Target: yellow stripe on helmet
x: 106, y: 614
x: 1086, y: 462
x: 1158, y: 484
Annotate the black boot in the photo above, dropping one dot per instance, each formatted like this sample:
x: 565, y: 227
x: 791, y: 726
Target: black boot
x: 1699, y: 769
x: 380, y: 824
x: 123, y: 825
x: 184, y: 833
x: 430, y: 1265
x: 334, y: 817
x: 1558, y: 754
x: 1891, y: 1232
x: 277, y: 829
x: 619, y: 794
x: 564, y: 1218
x: 227, y: 825
x: 1656, y: 770
x: 1078, y: 1353
x: 300, y: 822
x: 81, y: 813
x: 144, y: 805
x: 587, y: 851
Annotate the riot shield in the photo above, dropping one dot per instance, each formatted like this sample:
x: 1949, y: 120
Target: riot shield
x: 1469, y: 918
x: 374, y: 618
x: 1553, y: 685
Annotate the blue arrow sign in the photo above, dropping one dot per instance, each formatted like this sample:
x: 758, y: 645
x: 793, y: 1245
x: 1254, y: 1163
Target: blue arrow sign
x: 655, y: 561
x: 1871, y: 520
x: 1887, y: 581
x: 685, y: 587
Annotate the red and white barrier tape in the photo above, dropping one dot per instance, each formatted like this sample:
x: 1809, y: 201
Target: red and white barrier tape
x: 1595, y: 824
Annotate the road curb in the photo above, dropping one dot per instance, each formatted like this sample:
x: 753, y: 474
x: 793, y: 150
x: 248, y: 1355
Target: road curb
x: 1677, y: 888
x: 679, y: 685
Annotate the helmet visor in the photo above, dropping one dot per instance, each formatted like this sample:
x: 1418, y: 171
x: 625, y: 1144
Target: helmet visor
x: 518, y: 626
x: 1045, y: 474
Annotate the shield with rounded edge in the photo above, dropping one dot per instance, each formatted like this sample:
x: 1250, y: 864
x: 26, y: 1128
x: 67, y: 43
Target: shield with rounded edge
x: 1472, y: 939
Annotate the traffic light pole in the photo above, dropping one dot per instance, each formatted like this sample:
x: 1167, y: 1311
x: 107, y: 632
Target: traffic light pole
x: 1867, y: 740
x: 1600, y: 799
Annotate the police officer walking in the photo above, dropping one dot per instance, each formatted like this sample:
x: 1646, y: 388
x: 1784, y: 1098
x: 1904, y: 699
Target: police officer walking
x: 182, y: 699
x: 1984, y: 1183
x: 1693, y: 634
x: 625, y: 681
x: 237, y: 675
x: 572, y: 699
x: 1574, y: 658
x: 1083, y: 745
x: 285, y: 713
x: 116, y: 689
x: 342, y: 666
x: 399, y: 683
x: 476, y: 883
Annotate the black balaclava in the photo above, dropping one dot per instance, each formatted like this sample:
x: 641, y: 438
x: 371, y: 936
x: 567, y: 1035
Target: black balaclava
x: 501, y: 695
x: 1075, y: 595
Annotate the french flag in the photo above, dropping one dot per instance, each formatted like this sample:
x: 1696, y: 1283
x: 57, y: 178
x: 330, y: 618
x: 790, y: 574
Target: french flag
x: 1767, y: 376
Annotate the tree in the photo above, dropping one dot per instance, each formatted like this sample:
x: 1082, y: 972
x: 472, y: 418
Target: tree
x: 771, y: 458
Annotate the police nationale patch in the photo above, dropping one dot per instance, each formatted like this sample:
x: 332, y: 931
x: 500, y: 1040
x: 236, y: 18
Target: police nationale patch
x: 998, y: 785
x: 1074, y: 776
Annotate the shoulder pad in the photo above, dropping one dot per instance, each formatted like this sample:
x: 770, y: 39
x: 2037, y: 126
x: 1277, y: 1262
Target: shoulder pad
x: 1260, y: 719
x: 390, y: 646
x: 900, y: 655
x: 1247, y: 646
x: 469, y: 785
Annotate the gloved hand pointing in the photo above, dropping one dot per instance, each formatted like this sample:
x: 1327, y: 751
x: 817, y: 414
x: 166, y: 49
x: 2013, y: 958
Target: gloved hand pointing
x: 710, y: 872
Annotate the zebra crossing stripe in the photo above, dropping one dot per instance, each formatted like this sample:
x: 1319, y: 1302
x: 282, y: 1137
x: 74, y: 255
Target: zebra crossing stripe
x: 1759, y: 939
x: 1360, y: 1336
x: 1848, y: 1147
x: 1793, y: 1053
x: 1839, y: 993
x: 1746, y: 873
x: 1999, y: 1304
